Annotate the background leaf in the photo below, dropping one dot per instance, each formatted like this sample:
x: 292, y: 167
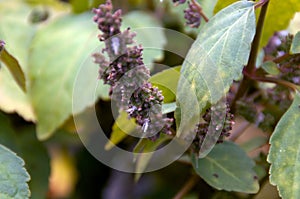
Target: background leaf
x: 54, y: 67
x: 215, y: 59
x: 227, y: 167
x: 222, y: 4
x: 149, y: 34
x: 284, y: 152
x: 13, y: 18
x: 13, y: 175
x: 14, y: 68
x: 24, y: 142
x: 286, y: 10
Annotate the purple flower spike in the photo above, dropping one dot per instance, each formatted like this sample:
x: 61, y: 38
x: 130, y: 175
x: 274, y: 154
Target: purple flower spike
x: 127, y: 75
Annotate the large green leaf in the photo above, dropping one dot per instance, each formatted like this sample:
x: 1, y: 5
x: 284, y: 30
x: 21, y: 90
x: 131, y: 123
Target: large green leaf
x: 13, y: 175
x: 60, y: 51
x: 17, y: 33
x: 216, y: 58
x: 227, y: 167
x: 149, y: 33
x: 24, y: 142
x: 284, y: 153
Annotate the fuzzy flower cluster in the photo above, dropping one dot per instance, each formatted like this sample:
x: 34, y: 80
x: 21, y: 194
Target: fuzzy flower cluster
x: 217, y: 122
x: 192, y: 15
x: 127, y: 75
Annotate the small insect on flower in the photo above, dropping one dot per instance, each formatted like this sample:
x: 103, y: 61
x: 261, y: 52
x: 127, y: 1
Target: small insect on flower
x: 115, y: 45
x: 146, y: 125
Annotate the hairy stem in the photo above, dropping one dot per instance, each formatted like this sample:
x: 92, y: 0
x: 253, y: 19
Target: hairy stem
x: 199, y: 10
x: 187, y: 187
x: 250, y: 68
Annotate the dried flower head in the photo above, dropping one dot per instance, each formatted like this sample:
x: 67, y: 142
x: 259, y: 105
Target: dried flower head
x: 217, y: 122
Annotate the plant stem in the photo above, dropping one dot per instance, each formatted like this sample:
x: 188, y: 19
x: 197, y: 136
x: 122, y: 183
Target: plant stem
x: 199, y: 9
x: 250, y: 68
x: 276, y: 81
x: 187, y: 187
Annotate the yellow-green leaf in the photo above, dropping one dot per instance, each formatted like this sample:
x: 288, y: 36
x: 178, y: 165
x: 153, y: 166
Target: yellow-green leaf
x: 222, y: 4
x: 17, y: 32
x: 120, y: 130
x: 167, y: 81
x: 14, y: 68
x: 278, y: 17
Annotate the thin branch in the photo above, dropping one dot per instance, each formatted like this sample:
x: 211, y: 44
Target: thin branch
x: 260, y: 3
x: 200, y: 11
x: 187, y: 187
x: 278, y: 60
x: 290, y: 85
x: 250, y: 68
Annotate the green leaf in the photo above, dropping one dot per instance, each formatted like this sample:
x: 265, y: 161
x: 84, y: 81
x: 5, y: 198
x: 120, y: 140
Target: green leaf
x: 254, y: 143
x: 37, y: 163
x: 17, y: 32
x: 284, y: 152
x: 272, y: 23
x: 167, y: 82
x: 271, y: 68
x: 14, y: 68
x: 13, y: 175
x: 295, y: 48
x: 144, y: 150
x: 227, y: 167
x: 120, y: 130
x: 168, y: 108
x: 55, y: 70
x: 215, y: 59
x: 149, y: 33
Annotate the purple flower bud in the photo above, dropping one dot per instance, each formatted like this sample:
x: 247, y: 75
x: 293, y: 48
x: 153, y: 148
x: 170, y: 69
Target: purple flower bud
x: 192, y: 15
